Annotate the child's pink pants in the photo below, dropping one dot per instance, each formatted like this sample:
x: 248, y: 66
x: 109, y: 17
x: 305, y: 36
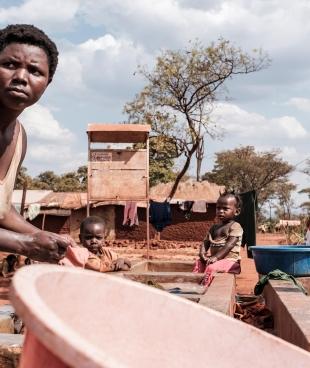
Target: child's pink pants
x: 223, y: 265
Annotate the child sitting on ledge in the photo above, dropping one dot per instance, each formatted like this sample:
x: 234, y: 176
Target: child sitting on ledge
x: 94, y: 255
x: 220, y: 251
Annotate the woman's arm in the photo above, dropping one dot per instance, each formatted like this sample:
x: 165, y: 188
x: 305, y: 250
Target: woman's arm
x: 19, y: 236
x: 41, y: 246
x: 15, y: 222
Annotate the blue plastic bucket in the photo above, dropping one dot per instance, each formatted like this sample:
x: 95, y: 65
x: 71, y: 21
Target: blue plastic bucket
x: 292, y: 259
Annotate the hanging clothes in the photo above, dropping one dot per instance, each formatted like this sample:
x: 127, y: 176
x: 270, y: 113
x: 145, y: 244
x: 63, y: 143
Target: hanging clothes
x: 186, y: 207
x: 160, y: 215
x: 33, y: 210
x: 131, y: 214
x: 199, y: 207
x: 247, y: 219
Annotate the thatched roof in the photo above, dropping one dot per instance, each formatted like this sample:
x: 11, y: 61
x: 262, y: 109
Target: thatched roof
x: 188, y: 190
x: 65, y: 200
x: 74, y: 200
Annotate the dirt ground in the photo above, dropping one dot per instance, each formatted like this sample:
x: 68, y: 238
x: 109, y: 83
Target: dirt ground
x: 168, y: 250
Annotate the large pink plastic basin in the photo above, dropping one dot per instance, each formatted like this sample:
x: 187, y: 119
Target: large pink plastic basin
x: 88, y: 319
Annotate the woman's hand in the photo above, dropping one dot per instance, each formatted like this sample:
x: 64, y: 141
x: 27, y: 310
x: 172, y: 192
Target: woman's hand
x: 45, y: 247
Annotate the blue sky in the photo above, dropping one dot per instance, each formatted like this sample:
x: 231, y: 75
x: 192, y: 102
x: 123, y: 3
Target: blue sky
x: 101, y: 42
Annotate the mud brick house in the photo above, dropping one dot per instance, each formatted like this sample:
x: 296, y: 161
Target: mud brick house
x: 182, y: 228
x: 63, y: 213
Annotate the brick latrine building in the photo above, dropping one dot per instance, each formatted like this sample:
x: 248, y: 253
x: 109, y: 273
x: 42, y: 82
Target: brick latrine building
x: 63, y: 213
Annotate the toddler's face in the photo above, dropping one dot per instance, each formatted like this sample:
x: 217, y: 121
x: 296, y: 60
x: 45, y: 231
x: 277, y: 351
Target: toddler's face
x: 93, y: 237
x: 226, y: 209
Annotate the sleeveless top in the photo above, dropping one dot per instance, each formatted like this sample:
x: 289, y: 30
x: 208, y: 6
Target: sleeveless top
x: 234, y: 230
x: 7, y: 184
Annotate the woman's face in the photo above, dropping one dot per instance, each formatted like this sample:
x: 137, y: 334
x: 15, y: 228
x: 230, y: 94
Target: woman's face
x: 24, y: 75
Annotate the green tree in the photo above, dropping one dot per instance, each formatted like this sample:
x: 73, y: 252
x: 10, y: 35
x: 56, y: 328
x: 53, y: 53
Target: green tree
x: 46, y: 180
x: 306, y: 205
x: 23, y: 178
x: 74, y: 181
x: 242, y: 169
x: 69, y: 182
x: 181, y: 91
x: 162, y: 154
x: 161, y: 159
x: 82, y: 176
x: 284, y: 194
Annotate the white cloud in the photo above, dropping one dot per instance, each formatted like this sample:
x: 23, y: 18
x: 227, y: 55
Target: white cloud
x: 290, y: 126
x: 300, y: 103
x: 48, y: 156
x: 41, y: 125
x: 101, y: 43
x: 280, y: 27
x: 51, y: 147
x: 42, y: 13
x: 239, y: 122
x: 100, y: 68
x: 262, y: 20
x: 68, y: 78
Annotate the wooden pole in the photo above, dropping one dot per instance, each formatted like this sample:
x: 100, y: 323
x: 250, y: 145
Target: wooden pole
x: 88, y: 176
x: 147, y: 200
x: 147, y: 230
x: 22, y: 205
x: 43, y: 221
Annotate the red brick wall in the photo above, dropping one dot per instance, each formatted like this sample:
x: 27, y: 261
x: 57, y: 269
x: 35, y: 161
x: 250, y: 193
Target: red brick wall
x: 181, y: 229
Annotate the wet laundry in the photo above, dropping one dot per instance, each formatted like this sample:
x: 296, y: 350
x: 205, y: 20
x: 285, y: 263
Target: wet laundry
x: 276, y: 275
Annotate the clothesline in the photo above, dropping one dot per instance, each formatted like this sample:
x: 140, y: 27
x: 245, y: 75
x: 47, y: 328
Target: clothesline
x: 160, y: 212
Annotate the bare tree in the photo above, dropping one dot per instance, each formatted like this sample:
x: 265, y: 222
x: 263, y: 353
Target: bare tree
x: 181, y: 92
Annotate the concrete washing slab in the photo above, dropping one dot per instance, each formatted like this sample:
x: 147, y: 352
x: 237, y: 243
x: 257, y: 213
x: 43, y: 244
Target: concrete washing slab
x: 291, y: 311
x: 220, y: 295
